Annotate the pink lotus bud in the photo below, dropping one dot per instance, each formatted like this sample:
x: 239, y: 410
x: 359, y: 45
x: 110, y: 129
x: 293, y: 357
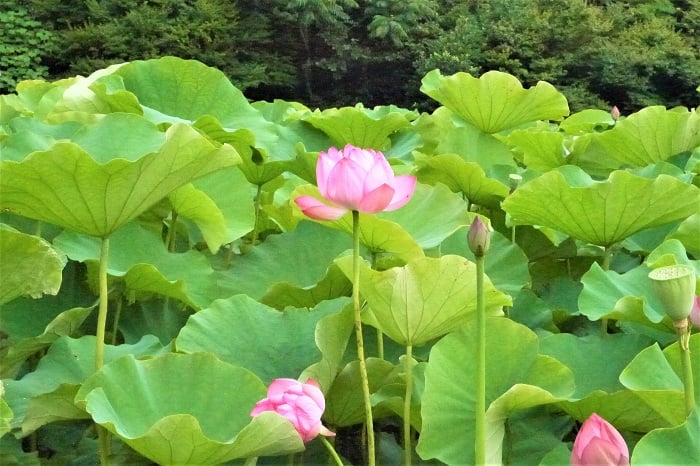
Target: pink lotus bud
x: 598, y: 443
x: 300, y: 403
x: 615, y: 113
x: 695, y: 313
x: 478, y: 237
x: 355, y: 179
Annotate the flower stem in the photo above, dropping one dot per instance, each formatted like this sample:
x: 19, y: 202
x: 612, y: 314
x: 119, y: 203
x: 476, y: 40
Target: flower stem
x: 407, y: 444
x: 480, y: 408
x: 331, y: 450
x: 607, y: 255
x: 102, y: 434
x: 686, y: 366
x: 256, y: 206
x: 358, y: 334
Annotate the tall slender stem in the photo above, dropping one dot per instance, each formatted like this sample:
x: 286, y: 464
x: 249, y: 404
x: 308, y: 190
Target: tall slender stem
x: 172, y: 232
x: 102, y: 434
x: 256, y: 205
x: 686, y: 366
x: 407, y: 444
x: 480, y: 408
x: 358, y: 334
x: 331, y: 450
x: 607, y: 255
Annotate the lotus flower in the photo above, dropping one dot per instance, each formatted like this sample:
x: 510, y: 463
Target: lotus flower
x: 300, y: 403
x: 355, y: 179
x: 695, y: 313
x: 598, y: 443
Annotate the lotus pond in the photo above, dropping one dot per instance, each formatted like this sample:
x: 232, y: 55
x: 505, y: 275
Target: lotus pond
x: 157, y: 275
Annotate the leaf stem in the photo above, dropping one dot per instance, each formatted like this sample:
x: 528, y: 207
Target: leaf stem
x: 607, y: 254
x: 256, y: 205
x: 480, y: 408
x: 358, y: 335
x: 102, y: 434
x: 686, y: 366
x: 407, y: 444
x: 331, y: 450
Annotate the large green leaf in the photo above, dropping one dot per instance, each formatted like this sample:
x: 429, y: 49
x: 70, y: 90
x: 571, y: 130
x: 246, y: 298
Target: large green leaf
x: 496, y: 101
x: 676, y: 445
x: 176, y: 420
x: 601, y: 212
x: 29, y: 266
x: 517, y: 377
x: 461, y: 176
x: 66, y: 186
x: 243, y: 332
x: 425, y: 299
x: 141, y: 258
x: 651, y: 135
x: 538, y: 149
x: 655, y: 377
x: 360, y: 127
x: 67, y: 364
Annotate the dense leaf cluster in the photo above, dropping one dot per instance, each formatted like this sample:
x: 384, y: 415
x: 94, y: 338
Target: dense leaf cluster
x: 338, y: 52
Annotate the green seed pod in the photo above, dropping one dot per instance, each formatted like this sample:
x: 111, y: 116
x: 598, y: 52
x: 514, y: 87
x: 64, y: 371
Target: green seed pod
x: 675, y: 287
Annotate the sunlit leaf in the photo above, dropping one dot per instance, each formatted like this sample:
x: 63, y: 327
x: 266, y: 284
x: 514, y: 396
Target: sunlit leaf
x: 517, y: 377
x: 29, y: 266
x: 427, y: 298
x: 461, y: 176
x: 537, y: 149
x: 674, y: 445
x: 496, y: 101
x: 245, y: 333
x: 368, y: 129
x: 175, y: 420
x: 66, y: 186
x: 601, y: 212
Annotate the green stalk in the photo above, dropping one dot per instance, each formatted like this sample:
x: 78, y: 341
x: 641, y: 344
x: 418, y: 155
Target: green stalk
x: 102, y: 434
x: 358, y: 334
x: 256, y: 205
x: 480, y: 408
x: 380, y: 334
x: 407, y: 444
x: 115, y: 321
x: 172, y: 232
x: 607, y: 254
x: 686, y: 367
x: 331, y: 450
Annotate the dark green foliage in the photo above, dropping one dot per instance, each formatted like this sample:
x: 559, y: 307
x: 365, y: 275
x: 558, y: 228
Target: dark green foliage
x: 23, y: 43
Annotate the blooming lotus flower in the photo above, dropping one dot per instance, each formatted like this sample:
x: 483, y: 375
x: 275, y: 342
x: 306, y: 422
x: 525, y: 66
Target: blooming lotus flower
x: 300, y: 403
x: 598, y: 443
x: 355, y: 179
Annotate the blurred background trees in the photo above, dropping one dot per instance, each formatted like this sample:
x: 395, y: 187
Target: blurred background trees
x: 631, y: 53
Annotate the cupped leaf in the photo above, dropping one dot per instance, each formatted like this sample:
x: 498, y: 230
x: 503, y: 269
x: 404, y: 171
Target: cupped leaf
x: 651, y: 135
x: 496, y: 101
x: 425, y: 299
x: 461, y: 176
x: 66, y: 186
x: 586, y: 121
x: 176, y: 420
x: 517, y: 377
x: 538, y: 149
x: 601, y: 212
x: 141, y: 258
x: 655, y: 377
x: 243, y: 332
x: 29, y: 266
x: 674, y: 445
x: 68, y: 362
x: 369, y: 129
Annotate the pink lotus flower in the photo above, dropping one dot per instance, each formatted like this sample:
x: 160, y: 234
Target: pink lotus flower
x: 695, y: 313
x: 355, y: 179
x: 598, y: 443
x: 300, y: 403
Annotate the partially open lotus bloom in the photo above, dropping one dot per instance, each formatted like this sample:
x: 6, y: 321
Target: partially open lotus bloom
x: 301, y: 403
x: 598, y: 443
x: 355, y: 179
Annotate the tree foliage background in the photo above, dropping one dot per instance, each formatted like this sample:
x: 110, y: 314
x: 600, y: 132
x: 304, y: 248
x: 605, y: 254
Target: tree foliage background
x: 630, y: 53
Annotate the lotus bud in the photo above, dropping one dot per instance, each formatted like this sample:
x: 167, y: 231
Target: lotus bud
x: 695, y: 313
x: 615, y: 113
x: 478, y: 237
x: 675, y: 287
x: 598, y: 443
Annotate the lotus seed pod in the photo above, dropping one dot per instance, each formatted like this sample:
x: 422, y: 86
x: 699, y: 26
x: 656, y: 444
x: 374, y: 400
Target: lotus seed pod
x: 675, y: 287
